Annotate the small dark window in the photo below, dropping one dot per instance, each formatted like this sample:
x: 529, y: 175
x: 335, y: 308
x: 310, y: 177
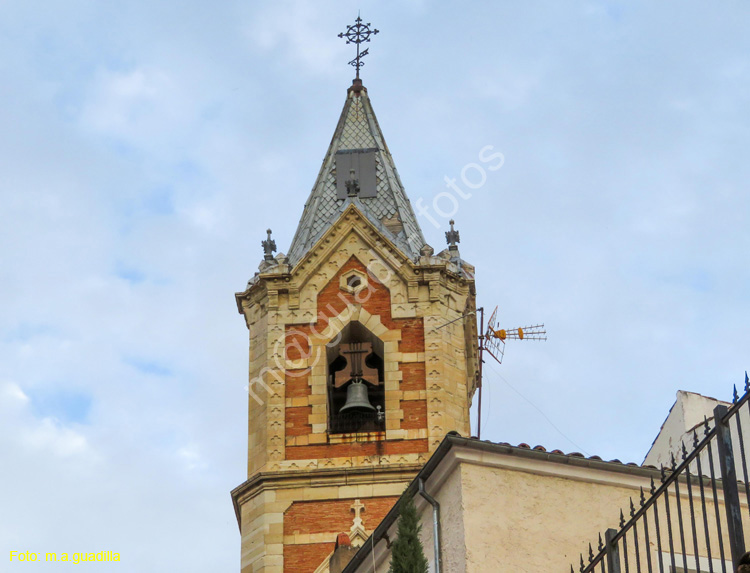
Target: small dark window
x: 353, y: 281
x: 362, y: 162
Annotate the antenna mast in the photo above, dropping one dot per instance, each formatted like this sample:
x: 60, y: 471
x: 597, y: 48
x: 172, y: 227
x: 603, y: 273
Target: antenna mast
x: 493, y: 341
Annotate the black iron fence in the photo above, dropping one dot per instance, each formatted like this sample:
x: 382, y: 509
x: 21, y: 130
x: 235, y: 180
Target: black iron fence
x: 694, y: 519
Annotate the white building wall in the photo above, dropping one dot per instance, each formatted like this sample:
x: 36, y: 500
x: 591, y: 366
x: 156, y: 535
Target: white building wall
x: 686, y: 417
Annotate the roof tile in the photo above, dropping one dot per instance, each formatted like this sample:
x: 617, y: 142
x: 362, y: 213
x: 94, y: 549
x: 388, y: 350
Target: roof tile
x: 358, y: 129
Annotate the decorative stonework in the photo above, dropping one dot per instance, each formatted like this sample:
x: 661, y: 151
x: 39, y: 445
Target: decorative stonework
x: 357, y: 533
x: 353, y: 264
x: 353, y: 281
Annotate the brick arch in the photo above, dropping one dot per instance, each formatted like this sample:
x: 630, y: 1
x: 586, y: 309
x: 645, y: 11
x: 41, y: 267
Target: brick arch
x: 403, y: 342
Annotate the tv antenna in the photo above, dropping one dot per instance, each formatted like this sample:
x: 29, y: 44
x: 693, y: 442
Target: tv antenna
x: 495, y: 337
x: 493, y: 341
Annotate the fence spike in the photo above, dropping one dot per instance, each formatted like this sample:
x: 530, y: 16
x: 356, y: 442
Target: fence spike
x: 571, y: 569
x: 663, y: 475
x: 632, y: 508
x: 622, y: 519
x: 747, y: 383
x: 653, y: 487
x: 735, y: 397
x: 601, y: 545
x: 591, y: 553
x: 643, y: 498
x: 684, y: 451
x: 582, y: 565
x: 674, y: 463
x: 695, y: 439
x: 705, y: 426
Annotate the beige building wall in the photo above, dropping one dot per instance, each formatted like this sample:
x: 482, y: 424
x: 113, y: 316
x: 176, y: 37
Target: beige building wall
x: 530, y: 519
x: 514, y: 509
x: 511, y: 509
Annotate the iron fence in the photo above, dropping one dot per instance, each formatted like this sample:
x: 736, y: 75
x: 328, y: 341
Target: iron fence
x: 694, y: 520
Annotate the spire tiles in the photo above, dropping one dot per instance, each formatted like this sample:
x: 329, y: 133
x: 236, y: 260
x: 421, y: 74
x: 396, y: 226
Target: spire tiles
x: 358, y: 169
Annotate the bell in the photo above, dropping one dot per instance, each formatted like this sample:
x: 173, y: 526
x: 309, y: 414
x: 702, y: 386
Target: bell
x: 356, y: 397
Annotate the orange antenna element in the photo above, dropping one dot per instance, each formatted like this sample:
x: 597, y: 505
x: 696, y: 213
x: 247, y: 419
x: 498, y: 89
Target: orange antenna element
x: 493, y: 341
x: 495, y: 338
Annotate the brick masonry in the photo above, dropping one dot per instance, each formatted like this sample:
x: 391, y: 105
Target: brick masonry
x: 289, y: 515
x: 305, y: 558
x: 332, y: 301
x: 329, y: 518
x: 413, y: 377
x: 333, y: 516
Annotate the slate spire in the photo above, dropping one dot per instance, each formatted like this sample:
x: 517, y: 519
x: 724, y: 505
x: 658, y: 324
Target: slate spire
x: 358, y: 169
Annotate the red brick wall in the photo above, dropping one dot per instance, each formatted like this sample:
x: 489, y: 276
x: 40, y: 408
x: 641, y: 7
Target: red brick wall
x: 414, y: 377
x: 412, y: 334
x: 326, y: 517
x: 297, y: 343
x: 297, y: 383
x: 415, y: 414
x: 306, y: 558
x: 377, y: 301
x: 333, y: 516
x: 297, y: 420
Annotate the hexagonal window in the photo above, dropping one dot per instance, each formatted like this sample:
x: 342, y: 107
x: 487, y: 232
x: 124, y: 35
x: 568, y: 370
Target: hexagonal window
x: 353, y: 282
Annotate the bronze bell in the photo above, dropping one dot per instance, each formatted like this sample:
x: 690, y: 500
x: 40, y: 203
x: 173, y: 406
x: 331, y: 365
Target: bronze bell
x: 356, y: 397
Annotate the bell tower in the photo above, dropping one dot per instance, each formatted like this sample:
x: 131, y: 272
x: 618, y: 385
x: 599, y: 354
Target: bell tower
x: 363, y: 356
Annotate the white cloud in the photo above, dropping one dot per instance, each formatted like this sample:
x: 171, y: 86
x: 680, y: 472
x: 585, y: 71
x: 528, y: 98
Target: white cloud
x: 294, y: 29
x: 155, y: 144
x: 45, y: 436
x: 12, y: 395
x: 134, y: 104
x: 49, y: 436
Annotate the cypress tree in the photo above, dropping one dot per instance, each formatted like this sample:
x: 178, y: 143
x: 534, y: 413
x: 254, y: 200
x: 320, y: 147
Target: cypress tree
x: 407, y: 554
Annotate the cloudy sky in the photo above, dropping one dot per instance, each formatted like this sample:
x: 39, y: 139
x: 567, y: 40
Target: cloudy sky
x: 146, y: 147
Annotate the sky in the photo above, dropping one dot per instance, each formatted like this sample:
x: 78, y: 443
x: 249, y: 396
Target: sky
x: 146, y: 147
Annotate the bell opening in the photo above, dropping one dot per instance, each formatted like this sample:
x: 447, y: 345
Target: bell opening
x: 356, y: 393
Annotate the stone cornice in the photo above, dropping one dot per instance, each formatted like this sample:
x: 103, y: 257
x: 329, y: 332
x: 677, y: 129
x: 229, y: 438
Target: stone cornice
x: 305, y: 478
x: 281, y: 278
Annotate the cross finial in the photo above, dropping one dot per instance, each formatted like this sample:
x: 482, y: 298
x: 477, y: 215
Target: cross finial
x: 357, y: 508
x: 269, y: 246
x: 452, y: 237
x: 358, y: 33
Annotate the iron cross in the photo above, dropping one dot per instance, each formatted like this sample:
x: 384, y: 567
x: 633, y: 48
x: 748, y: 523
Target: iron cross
x: 358, y: 33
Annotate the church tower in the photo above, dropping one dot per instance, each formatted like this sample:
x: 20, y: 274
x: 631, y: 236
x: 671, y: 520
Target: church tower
x: 363, y: 355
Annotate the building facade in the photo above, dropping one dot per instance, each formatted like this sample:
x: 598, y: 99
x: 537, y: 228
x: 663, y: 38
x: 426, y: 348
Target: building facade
x: 487, y: 507
x: 509, y: 508
x: 362, y: 356
x: 362, y: 368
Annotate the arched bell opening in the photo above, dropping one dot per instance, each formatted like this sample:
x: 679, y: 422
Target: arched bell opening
x: 356, y: 393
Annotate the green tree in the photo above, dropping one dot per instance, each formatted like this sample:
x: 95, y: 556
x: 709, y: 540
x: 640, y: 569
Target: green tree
x: 407, y: 553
